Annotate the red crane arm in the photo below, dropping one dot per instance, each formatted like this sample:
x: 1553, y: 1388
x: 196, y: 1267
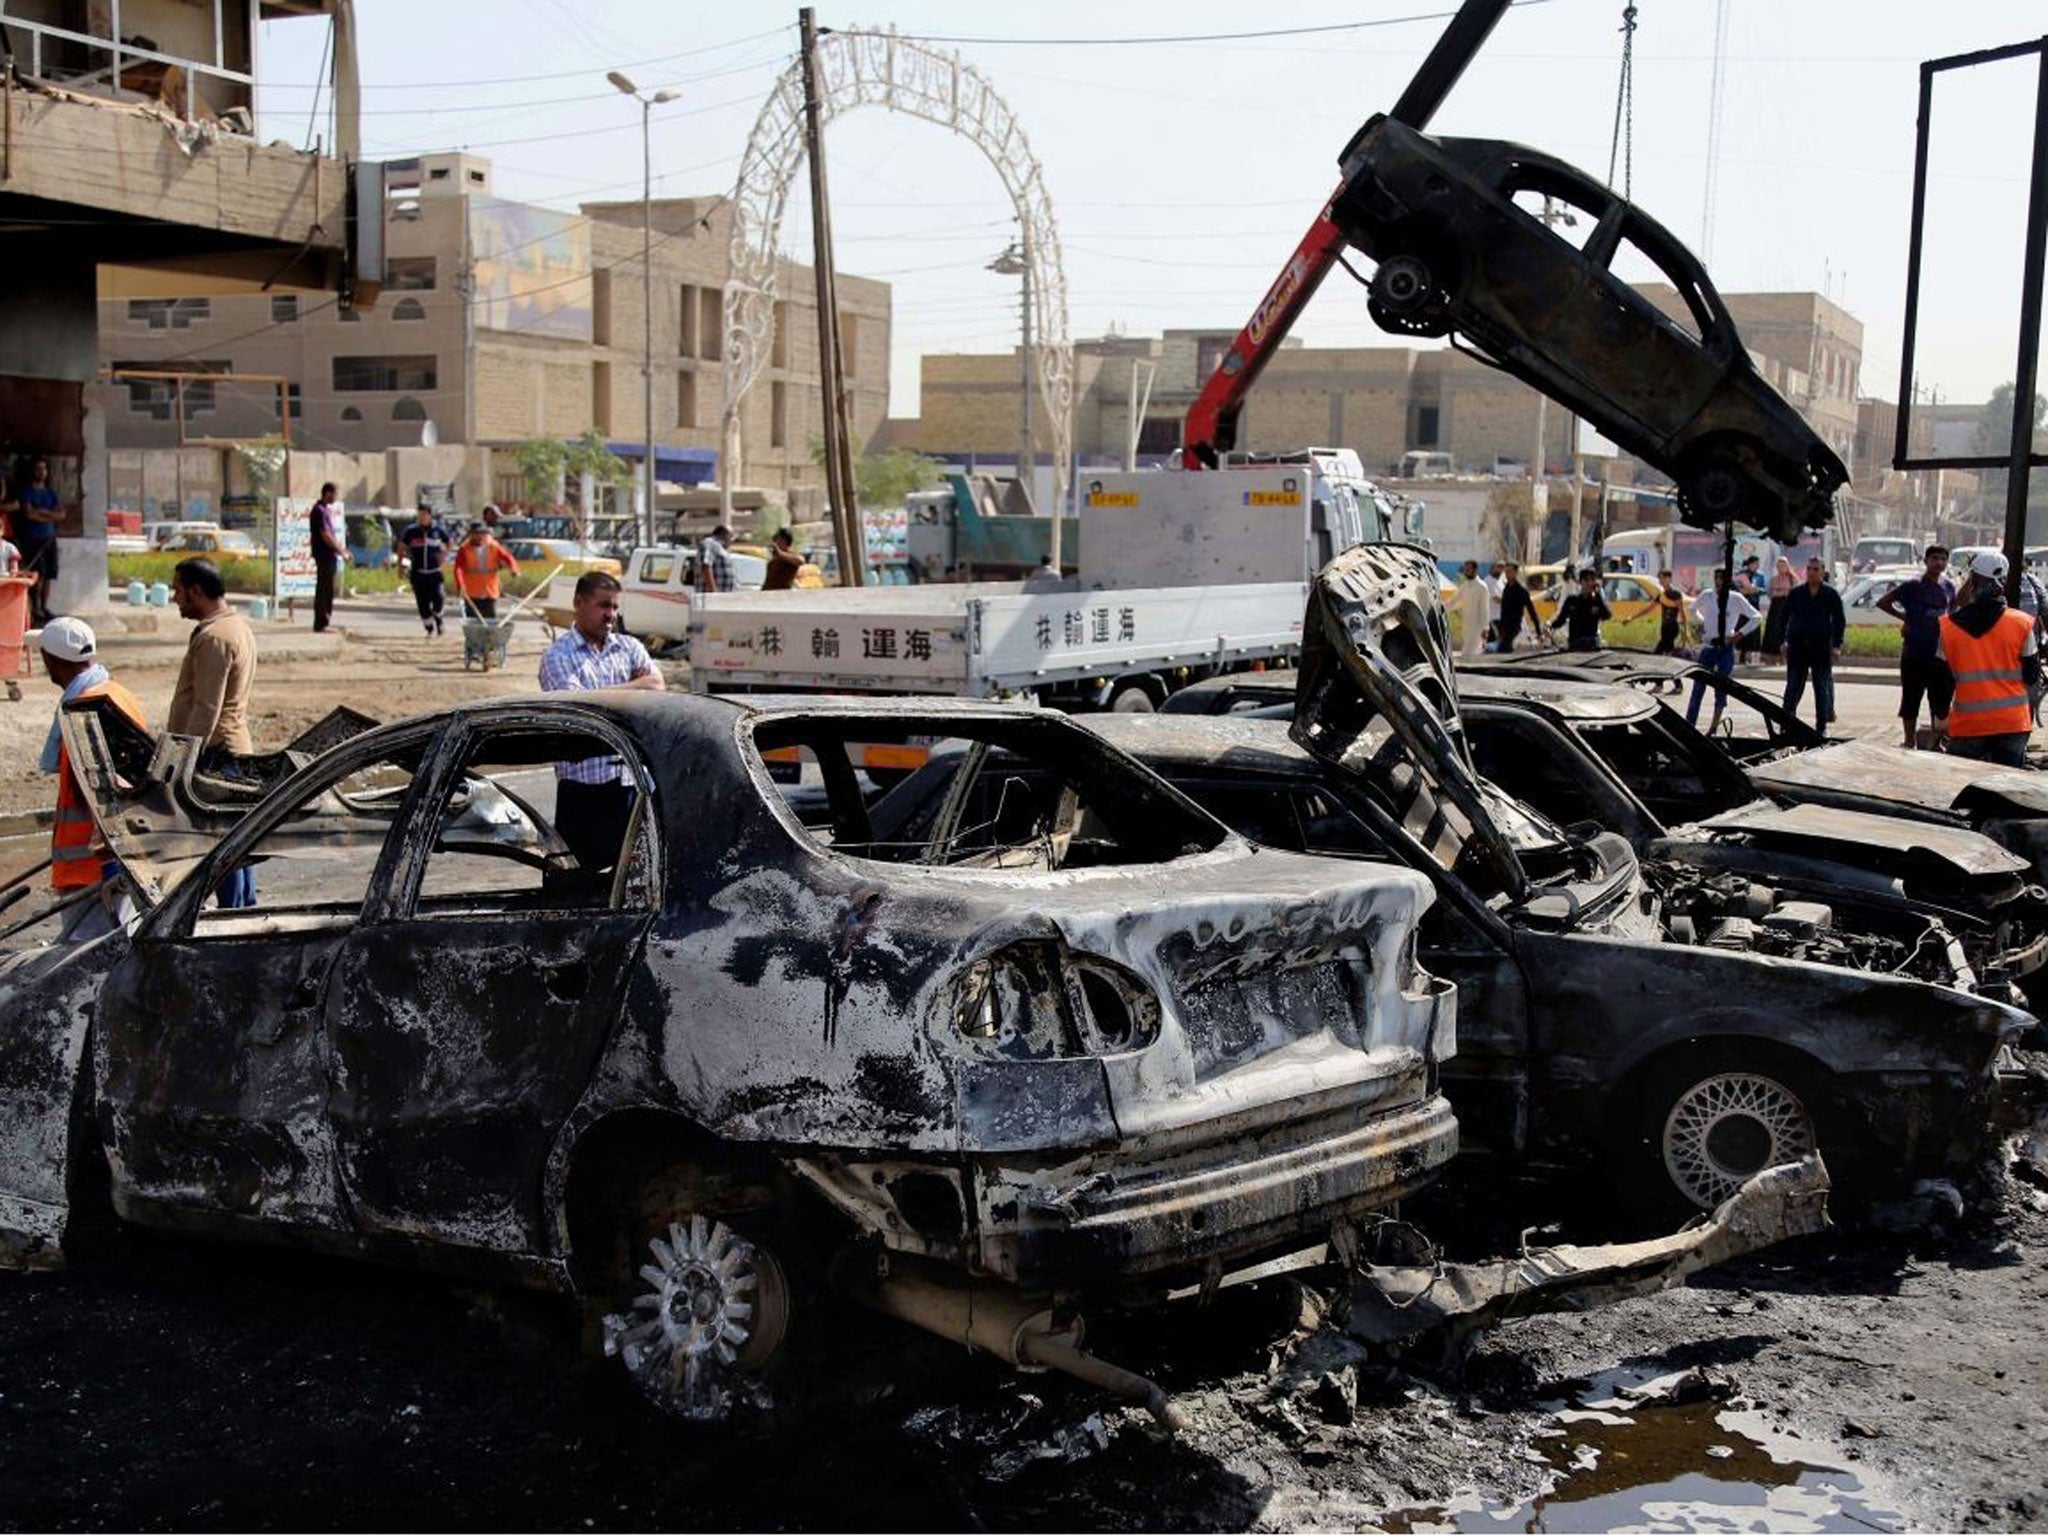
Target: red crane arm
x: 1211, y: 427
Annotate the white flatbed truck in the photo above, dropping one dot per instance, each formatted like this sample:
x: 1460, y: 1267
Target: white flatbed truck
x: 1181, y: 575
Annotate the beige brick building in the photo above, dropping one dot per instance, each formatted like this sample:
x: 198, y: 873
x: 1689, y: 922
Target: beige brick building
x: 500, y: 321
x: 1381, y: 401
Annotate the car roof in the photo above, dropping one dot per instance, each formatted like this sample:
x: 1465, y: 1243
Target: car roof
x: 1588, y: 702
x: 1206, y: 741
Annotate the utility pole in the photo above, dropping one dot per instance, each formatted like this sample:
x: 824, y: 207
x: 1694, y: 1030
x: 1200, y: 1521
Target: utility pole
x: 839, y: 479
x: 647, y: 106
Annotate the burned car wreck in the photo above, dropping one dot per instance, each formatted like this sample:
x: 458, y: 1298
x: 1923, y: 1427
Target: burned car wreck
x: 1456, y: 227
x: 1786, y: 760
x: 1582, y: 751
x: 1092, y: 1049
x: 1596, y: 1027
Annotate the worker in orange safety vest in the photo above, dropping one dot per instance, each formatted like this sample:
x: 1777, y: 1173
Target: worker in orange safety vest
x: 80, y: 860
x: 1995, y: 657
x: 478, y: 559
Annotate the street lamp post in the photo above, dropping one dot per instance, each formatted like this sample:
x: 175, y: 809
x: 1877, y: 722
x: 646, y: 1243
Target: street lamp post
x: 647, y: 106
x: 1015, y: 261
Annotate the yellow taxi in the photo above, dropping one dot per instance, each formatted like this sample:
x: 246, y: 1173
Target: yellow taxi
x: 1629, y: 596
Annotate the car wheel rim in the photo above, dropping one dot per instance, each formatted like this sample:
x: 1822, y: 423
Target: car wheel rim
x: 715, y: 1312
x: 1725, y: 1129
x: 1402, y: 285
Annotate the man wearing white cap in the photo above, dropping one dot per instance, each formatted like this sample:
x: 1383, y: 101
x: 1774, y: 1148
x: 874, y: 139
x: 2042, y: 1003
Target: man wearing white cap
x: 81, y: 865
x: 1992, y: 651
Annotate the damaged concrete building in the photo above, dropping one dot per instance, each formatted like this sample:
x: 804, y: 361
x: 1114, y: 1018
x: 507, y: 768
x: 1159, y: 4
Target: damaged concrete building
x: 130, y: 141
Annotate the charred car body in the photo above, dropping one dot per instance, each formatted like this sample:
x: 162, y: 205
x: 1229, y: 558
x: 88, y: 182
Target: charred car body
x: 1679, y: 1055
x: 1457, y: 229
x: 1102, y: 1048
x: 1582, y: 751
x: 1784, y: 759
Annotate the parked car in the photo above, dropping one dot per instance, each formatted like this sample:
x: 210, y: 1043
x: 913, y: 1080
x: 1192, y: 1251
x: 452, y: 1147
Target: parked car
x: 1590, y: 751
x: 1607, y: 1018
x: 574, y: 558
x: 159, y: 533
x: 1628, y: 596
x: 1586, y: 752
x: 1095, y: 1048
x: 1465, y: 237
x: 1788, y: 761
x: 218, y: 544
x: 1863, y: 593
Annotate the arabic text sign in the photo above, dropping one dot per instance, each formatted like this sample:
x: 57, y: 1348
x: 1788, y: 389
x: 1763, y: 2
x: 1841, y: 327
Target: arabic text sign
x: 291, y: 559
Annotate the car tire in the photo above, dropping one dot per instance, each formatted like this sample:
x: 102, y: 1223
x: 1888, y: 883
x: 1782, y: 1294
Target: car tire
x: 1714, y: 487
x: 1709, y: 1121
x: 1133, y: 699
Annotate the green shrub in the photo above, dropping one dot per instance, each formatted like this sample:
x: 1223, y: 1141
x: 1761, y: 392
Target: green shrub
x: 251, y: 577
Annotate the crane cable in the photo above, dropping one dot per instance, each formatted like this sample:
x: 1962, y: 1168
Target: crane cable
x: 1624, y: 145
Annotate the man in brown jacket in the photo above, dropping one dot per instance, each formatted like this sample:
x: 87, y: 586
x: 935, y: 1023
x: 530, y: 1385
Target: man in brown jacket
x: 212, y: 696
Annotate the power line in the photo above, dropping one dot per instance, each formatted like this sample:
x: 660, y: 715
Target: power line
x: 1186, y: 37
x: 553, y: 74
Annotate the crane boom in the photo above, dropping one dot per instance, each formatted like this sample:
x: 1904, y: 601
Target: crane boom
x: 1210, y: 430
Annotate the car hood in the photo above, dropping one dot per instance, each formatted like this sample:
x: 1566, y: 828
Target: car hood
x: 1915, y: 851
x: 1378, y: 699
x: 1928, y: 781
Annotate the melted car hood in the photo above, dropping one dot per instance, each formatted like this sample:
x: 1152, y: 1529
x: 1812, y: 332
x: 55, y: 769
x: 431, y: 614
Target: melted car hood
x: 1931, y: 781
x: 1869, y: 840
x: 1378, y: 698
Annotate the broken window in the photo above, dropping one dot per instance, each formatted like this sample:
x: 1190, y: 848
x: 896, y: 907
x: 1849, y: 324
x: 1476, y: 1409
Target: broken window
x: 312, y: 865
x: 1017, y: 795
x: 1663, y: 778
x: 1640, y: 258
x: 541, y: 820
x: 1568, y: 210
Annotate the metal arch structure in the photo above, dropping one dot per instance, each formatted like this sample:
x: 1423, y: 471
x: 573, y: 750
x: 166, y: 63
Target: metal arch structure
x: 881, y: 69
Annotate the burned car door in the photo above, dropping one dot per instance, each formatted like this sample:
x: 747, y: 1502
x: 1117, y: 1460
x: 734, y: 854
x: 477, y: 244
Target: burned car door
x: 468, y: 1011
x: 212, y: 1057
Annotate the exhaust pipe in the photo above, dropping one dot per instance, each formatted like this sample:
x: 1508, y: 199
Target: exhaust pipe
x: 998, y: 1321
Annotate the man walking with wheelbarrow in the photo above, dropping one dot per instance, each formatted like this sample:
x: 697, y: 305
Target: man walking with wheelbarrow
x: 478, y: 559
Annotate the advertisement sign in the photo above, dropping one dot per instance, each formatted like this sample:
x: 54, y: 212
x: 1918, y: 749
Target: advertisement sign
x: 291, y: 556
x: 531, y: 269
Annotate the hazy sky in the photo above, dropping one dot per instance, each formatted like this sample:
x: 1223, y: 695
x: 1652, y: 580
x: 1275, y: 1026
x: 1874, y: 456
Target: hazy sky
x: 1182, y: 173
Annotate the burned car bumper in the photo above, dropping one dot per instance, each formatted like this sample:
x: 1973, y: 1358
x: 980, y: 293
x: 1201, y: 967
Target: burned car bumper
x: 1154, y: 1217
x: 1245, y: 1175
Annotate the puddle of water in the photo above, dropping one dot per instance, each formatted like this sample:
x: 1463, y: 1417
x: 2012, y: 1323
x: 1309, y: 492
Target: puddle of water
x: 1663, y: 1467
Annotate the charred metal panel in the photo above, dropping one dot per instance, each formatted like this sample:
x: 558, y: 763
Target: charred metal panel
x: 46, y: 998
x: 213, y: 1078
x: 460, y: 1044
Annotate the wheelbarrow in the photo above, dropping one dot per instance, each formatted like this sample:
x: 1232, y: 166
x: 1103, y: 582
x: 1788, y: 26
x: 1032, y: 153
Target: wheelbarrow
x: 485, y: 641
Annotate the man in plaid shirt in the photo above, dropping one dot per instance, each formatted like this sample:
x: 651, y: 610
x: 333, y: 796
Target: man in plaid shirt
x: 594, y: 795
x: 714, y: 566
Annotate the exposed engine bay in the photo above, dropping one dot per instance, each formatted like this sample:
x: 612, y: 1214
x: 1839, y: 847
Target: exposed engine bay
x: 1719, y: 909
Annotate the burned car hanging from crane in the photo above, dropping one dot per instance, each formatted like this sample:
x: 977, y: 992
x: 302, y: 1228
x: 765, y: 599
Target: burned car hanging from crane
x: 1092, y: 1050
x: 1463, y: 234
